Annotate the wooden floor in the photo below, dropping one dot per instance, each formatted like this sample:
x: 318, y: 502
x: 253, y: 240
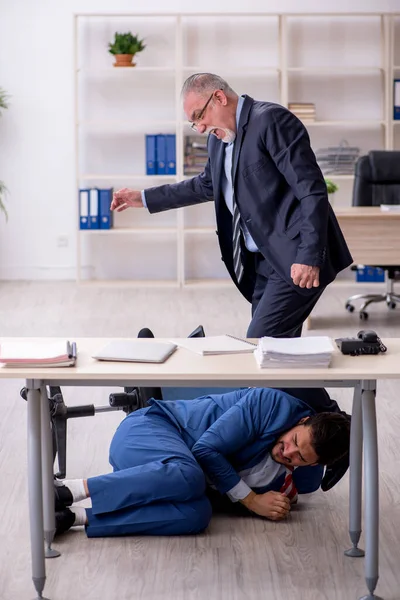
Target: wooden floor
x: 236, y: 559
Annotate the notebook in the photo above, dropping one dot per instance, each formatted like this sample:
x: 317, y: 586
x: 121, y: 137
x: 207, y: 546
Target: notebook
x: 136, y: 351
x: 59, y: 353
x: 219, y: 344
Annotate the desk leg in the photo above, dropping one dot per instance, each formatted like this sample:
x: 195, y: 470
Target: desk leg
x: 35, y: 486
x: 47, y: 474
x: 371, y: 472
x: 356, y: 440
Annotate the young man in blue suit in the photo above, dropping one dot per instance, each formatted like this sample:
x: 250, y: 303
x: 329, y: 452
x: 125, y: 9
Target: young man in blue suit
x: 278, y: 235
x: 258, y: 447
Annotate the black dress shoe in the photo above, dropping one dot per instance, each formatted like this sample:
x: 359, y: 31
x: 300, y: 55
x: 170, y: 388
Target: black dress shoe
x: 62, y: 497
x: 334, y: 473
x: 64, y: 520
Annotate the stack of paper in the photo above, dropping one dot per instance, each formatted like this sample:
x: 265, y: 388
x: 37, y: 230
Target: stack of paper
x: 59, y: 353
x: 337, y: 160
x: 287, y: 353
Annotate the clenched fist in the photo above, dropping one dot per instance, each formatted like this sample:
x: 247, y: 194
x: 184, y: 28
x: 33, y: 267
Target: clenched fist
x: 273, y: 505
x: 126, y: 198
x: 305, y: 276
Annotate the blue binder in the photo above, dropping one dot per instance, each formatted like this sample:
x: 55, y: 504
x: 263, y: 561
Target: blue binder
x: 161, y: 154
x: 370, y: 274
x: 93, y: 208
x: 84, y: 209
x: 396, y: 99
x: 105, y: 214
x: 171, y: 154
x: 151, y: 155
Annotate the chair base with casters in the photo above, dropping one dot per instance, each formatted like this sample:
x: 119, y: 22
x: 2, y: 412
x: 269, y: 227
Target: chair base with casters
x: 390, y: 297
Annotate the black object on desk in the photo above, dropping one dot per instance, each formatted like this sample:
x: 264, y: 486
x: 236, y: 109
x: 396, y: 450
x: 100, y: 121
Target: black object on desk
x: 366, y: 342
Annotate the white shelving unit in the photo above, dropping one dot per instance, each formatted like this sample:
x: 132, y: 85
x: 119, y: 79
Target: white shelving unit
x: 343, y: 63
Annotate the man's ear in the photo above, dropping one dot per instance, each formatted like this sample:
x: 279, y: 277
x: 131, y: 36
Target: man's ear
x: 221, y: 97
x: 303, y: 420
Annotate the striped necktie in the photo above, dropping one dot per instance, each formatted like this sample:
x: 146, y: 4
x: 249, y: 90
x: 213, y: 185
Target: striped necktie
x: 237, y: 254
x: 288, y: 488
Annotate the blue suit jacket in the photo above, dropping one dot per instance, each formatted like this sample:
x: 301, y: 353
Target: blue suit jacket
x: 280, y: 191
x: 231, y: 432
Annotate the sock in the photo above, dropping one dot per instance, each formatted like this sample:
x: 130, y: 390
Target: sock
x: 80, y: 515
x: 76, y: 488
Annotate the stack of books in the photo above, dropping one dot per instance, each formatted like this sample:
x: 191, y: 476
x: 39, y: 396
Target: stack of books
x: 338, y: 160
x: 305, y: 111
x: 195, y: 156
x: 287, y: 353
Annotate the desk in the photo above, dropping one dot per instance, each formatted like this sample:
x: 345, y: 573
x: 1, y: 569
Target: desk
x: 371, y: 234
x: 184, y: 368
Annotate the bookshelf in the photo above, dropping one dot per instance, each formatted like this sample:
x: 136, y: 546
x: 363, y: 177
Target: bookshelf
x: 268, y: 56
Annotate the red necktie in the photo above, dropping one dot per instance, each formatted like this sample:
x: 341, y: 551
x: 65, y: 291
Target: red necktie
x: 288, y: 488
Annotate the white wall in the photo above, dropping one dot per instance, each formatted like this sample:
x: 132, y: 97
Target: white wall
x: 37, y: 148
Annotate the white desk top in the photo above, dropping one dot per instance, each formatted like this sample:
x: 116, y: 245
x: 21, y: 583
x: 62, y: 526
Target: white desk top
x: 185, y: 368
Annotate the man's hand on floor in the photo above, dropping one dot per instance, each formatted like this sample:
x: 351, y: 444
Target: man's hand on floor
x: 273, y: 505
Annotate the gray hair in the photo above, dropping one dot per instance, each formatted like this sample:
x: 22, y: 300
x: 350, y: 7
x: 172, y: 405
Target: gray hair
x: 204, y: 83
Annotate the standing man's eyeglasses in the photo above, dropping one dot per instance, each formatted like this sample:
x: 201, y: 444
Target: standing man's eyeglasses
x: 201, y: 114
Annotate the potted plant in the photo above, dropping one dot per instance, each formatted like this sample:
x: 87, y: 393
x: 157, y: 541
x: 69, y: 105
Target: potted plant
x: 3, y: 189
x: 332, y: 188
x: 124, y: 48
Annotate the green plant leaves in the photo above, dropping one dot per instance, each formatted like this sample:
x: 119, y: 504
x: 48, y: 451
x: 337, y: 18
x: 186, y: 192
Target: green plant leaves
x: 126, y: 43
x: 3, y: 209
x: 3, y: 99
x: 331, y: 186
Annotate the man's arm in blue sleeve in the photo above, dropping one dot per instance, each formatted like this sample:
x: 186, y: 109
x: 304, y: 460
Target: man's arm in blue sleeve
x: 260, y: 413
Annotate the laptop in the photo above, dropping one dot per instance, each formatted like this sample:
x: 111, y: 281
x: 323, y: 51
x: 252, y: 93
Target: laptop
x: 136, y: 351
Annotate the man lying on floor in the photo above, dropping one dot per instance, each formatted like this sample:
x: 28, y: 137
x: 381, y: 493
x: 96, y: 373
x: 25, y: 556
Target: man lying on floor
x: 260, y: 447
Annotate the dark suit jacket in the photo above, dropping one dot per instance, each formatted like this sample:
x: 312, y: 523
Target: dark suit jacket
x: 281, y: 195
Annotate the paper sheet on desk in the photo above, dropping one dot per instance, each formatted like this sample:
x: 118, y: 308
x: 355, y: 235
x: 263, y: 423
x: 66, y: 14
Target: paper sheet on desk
x: 390, y: 207
x: 218, y: 344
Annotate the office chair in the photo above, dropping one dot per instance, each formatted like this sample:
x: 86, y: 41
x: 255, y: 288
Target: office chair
x: 131, y: 399
x: 376, y: 182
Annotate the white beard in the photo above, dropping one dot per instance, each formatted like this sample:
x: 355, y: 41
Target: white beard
x: 229, y: 136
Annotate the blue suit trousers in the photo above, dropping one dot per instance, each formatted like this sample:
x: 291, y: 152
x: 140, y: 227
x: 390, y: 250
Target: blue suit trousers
x: 157, y: 487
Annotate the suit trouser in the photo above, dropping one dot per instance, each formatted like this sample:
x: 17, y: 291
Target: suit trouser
x: 157, y: 487
x: 278, y: 310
